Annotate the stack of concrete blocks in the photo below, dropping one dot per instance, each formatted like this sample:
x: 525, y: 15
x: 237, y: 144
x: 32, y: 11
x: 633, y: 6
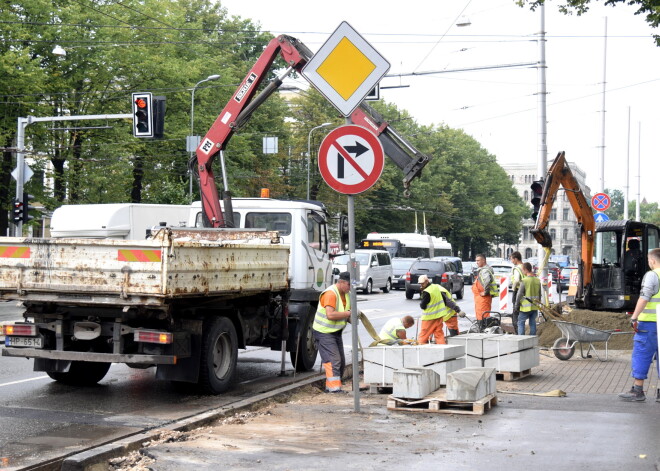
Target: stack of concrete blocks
x: 470, y: 384
x: 415, y: 382
x: 512, y: 353
x: 381, y: 362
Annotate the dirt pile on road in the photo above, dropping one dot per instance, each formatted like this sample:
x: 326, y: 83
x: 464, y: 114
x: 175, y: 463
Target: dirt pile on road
x: 601, y: 320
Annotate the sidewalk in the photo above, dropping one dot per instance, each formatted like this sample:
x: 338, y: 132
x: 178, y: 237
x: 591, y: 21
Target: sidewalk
x: 589, y: 429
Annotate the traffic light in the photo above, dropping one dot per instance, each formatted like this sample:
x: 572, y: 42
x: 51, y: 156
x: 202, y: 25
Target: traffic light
x: 143, y: 118
x: 159, y: 116
x: 537, y: 194
x: 27, y: 208
x: 17, y: 211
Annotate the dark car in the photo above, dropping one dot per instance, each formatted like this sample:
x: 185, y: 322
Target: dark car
x: 564, y: 278
x: 400, y: 267
x: 469, y: 272
x: 442, y: 272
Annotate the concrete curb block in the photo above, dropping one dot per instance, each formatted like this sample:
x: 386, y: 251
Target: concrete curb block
x: 95, y: 459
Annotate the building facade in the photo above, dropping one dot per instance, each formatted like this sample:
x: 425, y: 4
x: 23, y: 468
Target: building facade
x: 563, y: 226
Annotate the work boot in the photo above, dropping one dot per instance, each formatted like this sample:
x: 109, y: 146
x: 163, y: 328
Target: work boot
x: 636, y: 394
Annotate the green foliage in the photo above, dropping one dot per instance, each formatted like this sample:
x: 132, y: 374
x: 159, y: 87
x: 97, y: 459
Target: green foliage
x: 648, y: 8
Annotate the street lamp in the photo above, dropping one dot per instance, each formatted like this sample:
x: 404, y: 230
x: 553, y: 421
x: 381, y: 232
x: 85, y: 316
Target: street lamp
x: 309, y: 150
x: 192, y: 143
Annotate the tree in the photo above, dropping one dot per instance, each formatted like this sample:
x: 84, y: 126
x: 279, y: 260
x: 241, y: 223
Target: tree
x: 649, y: 8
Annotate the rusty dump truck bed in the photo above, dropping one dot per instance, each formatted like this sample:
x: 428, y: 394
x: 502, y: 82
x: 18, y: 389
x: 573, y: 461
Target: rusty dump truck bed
x: 174, y: 263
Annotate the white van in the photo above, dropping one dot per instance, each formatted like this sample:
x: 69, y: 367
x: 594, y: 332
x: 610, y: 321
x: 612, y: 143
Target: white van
x: 375, y: 269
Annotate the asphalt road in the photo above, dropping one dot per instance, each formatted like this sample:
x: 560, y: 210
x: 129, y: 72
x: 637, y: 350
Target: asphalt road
x: 40, y: 417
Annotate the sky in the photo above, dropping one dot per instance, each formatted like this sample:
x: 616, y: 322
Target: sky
x: 499, y: 107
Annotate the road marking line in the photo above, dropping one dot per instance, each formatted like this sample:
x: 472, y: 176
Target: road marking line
x: 23, y: 381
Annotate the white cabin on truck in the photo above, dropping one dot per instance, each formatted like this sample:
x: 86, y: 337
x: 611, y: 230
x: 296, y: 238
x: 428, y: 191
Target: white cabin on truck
x: 128, y: 221
x: 301, y: 225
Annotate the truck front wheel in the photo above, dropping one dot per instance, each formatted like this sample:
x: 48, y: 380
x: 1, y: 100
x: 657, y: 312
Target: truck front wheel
x: 219, y: 356
x: 304, y: 357
x: 81, y: 373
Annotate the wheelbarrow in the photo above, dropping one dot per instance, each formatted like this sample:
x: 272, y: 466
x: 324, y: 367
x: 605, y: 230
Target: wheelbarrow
x: 572, y: 333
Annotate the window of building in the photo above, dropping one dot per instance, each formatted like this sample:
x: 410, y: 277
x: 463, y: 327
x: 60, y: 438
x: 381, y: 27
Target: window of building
x: 528, y: 253
x: 553, y: 214
x: 565, y: 214
x: 526, y: 195
x: 553, y: 234
x: 525, y: 233
x: 565, y: 234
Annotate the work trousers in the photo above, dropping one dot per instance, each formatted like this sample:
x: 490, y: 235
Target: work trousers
x: 331, y: 349
x: 452, y: 325
x: 514, y: 315
x: 645, y: 346
x: 522, y: 318
x: 432, y: 327
x: 481, y: 303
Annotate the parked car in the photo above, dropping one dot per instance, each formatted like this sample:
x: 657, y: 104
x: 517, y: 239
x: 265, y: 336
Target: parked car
x: 564, y: 278
x: 375, y: 269
x: 442, y: 272
x: 501, y: 269
x: 469, y: 272
x: 401, y: 266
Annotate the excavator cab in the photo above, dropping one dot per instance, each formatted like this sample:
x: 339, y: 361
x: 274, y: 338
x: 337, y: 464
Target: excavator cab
x: 619, y: 263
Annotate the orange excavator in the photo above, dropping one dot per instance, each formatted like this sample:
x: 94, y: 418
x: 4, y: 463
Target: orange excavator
x: 612, y: 253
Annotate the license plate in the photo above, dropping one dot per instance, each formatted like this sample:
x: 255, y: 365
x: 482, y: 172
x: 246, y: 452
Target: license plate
x: 23, y: 342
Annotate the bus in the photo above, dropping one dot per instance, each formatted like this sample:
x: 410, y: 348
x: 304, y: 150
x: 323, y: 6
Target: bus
x: 407, y: 245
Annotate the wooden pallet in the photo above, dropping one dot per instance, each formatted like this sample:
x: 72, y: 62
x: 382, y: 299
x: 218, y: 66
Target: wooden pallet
x: 436, y: 402
x: 513, y: 375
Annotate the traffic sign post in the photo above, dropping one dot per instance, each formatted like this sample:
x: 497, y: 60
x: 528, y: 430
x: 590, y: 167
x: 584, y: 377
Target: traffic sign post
x: 601, y: 202
x: 351, y: 159
x: 345, y: 69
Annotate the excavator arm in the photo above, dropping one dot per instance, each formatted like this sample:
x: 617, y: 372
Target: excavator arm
x: 560, y: 174
x: 243, y: 103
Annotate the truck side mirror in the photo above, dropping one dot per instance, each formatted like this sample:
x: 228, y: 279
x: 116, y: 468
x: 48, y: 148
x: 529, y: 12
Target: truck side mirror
x: 343, y: 231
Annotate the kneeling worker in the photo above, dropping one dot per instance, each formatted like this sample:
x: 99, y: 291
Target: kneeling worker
x: 438, y: 307
x: 331, y: 315
x: 394, y: 330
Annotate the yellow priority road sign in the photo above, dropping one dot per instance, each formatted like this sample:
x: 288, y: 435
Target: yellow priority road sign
x: 345, y: 69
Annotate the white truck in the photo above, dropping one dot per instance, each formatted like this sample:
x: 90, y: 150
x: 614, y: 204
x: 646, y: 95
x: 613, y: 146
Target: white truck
x: 242, y: 272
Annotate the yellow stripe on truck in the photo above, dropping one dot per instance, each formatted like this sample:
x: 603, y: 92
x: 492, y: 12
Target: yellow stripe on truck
x: 14, y: 252
x: 126, y: 255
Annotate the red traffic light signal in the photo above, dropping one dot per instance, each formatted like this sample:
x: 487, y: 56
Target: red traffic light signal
x: 537, y: 194
x: 142, y: 115
x: 17, y: 211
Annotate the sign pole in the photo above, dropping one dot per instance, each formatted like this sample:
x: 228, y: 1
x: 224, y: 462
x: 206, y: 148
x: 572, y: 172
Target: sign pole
x: 355, y: 274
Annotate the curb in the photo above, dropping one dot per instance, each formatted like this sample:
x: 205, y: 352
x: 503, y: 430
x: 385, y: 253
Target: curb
x: 94, y: 459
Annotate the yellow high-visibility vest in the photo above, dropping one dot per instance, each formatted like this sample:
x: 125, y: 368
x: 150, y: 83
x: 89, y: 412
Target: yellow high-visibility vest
x: 321, y: 321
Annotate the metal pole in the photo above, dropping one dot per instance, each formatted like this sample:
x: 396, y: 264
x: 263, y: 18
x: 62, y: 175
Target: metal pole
x: 639, y: 176
x: 627, y: 185
x: 542, y: 126
x: 601, y: 182
x: 354, y: 308
x: 20, y: 165
x: 192, y: 134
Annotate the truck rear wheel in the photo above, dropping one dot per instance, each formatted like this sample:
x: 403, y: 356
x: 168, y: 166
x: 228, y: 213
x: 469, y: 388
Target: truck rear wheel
x: 219, y: 356
x: 81, y: 373
x: 304, y: 357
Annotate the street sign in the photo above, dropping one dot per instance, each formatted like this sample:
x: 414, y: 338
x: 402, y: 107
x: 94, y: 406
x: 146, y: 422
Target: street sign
x: 351, y: 159
x: 27, y: 173
x: 601, y: 217
x: 600, y: 202
x: 345, y: 69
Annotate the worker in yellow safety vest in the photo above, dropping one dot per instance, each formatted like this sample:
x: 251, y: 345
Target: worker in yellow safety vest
x: 439, y: 308
x: 516, y: 278
x: 394, y: 330
x: 333, y: 311
x: 645, y: 324
x: 529, y: 290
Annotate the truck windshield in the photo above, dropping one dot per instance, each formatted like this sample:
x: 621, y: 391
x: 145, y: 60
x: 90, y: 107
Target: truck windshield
x: 270, y: 221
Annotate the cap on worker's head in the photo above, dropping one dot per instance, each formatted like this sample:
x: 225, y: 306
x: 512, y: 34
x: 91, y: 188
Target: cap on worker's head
x: 423, y: 279
x: 345, y: 276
